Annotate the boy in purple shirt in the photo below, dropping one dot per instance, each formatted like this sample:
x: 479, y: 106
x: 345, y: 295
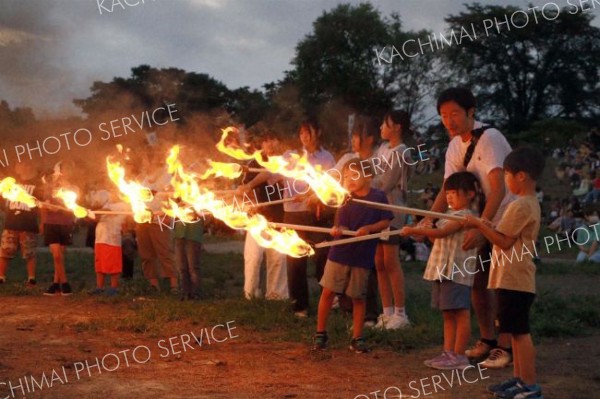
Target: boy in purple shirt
x: 348, y: 265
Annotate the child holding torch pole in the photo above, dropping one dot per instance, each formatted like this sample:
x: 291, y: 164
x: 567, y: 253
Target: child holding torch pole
x: 348, y: 266
x: 450, y: 269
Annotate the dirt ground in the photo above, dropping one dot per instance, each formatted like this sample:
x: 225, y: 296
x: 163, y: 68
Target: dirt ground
x: 41, y: 334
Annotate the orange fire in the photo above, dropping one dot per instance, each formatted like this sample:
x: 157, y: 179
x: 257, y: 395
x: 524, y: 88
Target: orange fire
x: 70, y: 199
x: 325, y: 186
x: 186, y: 188
x: 12, y: 191
x: 222, y: 169
x: 134, y: 193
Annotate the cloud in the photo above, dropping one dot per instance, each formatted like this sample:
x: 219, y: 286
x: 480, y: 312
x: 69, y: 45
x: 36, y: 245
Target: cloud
x: 52, y: 52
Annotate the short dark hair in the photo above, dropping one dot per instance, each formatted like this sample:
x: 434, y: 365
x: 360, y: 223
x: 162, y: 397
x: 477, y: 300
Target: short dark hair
x: 460, y: 95
x: 463, y: 181
x: 399, y: 117
x: 590, y: 209
x: 365, y: 126
x: 525, y: 159
x: 311, y: 123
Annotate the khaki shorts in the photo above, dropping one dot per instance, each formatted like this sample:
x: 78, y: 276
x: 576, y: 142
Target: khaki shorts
x: 11, y: 239
x: 343, y: 279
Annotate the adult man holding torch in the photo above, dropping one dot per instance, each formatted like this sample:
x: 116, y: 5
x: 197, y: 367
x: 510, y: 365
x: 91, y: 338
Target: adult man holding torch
x: 479, y: 149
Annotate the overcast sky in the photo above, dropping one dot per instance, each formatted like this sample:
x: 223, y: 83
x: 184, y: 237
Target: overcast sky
x: 52, y: 50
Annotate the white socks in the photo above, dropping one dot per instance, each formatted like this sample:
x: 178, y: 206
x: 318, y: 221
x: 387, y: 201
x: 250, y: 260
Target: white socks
x: 399, y: 311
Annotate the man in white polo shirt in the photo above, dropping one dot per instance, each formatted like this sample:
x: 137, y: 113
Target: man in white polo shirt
x: 479, y: 149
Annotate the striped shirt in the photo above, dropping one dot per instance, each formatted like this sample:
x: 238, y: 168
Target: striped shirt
x: 448, y: 261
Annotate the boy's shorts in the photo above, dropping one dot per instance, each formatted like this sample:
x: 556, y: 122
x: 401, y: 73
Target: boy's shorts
x: 343, y: 279
x: 11, y: 239
x: 108, y: 259
x: 58, y: 234
x: 448, y: 295
x: 513, y: 311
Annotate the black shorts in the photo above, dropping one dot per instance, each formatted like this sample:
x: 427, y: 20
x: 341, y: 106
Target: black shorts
x: 58, y: 234
x: 513, y: 311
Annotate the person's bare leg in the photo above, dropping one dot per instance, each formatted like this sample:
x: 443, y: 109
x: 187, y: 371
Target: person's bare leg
x: 391, y: 259
x: 3, y: 266
x: 382, y: 278
x: 516, y: 359
x: 325, y: 303
x: 449, y: 330
x: 114, y: 280
x: 30, y: 267
x: 463, y: 330
x: 483, y: 300
x: 58, y: 255
x: 359, y: 310
x: 523, y: 345
x: 100, y: 277
x: 504, y: 340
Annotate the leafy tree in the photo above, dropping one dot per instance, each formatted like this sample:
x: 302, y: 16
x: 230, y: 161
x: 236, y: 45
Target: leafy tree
x: 543, y: 70
x: 336, y: 60
x: 410, y: 81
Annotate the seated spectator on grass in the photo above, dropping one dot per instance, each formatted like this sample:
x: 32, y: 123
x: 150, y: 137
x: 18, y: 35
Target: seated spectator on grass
x: 594, y: 195
x: 583, y: 188
x: 589, y: 250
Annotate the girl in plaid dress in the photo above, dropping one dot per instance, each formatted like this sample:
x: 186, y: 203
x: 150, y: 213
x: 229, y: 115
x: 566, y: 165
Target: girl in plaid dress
x: 451, y: 269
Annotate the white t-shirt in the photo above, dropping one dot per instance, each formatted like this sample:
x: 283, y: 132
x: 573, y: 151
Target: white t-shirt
x: 489, y: 154
x: 108, y: 229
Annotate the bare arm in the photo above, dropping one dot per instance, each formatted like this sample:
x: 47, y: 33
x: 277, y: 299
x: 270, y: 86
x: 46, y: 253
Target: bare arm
x: 495, y: 237
x: 449, y: 228
x: 497, y: 192
x: 373, y: 228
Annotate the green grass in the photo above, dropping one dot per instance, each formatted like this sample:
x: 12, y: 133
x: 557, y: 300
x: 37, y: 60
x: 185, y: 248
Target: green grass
x: 222, y: 278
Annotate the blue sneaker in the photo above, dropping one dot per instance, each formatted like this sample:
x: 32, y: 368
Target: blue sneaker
x: 112, y: 292
x: 521, y: 391
x: 96, y: 291
x: 504, y: 385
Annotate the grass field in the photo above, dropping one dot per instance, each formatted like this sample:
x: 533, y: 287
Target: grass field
x: 555, y: 314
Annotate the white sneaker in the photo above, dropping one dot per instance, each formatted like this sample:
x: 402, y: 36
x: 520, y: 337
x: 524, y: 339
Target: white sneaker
x: 498, y: 359
x: 301, y: 314
x: 382, y: 321
x: 479, y: 350
x: 396, y: 322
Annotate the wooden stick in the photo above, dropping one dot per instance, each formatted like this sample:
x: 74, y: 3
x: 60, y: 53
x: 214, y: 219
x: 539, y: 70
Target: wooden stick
x: 325, y: 244
x: 410, y: 211
x: 100, y: 212
x: 276, y: 202
x: 313, y: 229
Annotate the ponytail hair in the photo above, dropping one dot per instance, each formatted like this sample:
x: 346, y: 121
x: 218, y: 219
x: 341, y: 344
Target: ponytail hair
x: 399, y: 117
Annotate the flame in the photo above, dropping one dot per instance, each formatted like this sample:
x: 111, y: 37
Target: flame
x: 133, y: 192
x: 294, y: 166
x: 12, y: 191
x: 70, y: 200
x: 187, y: 189
x: 222, y: 169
